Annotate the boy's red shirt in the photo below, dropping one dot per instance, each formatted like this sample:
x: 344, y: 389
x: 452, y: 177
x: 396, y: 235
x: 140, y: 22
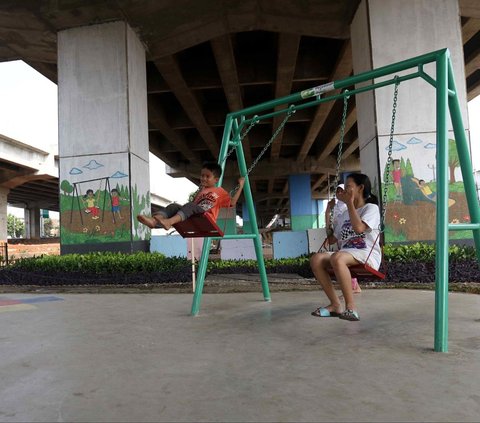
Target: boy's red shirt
x: 212, y: 200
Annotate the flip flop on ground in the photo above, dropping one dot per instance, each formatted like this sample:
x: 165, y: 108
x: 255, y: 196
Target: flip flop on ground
x: 324, y: 312
x: 350, y: 315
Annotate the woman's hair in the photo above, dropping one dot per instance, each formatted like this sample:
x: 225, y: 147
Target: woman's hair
x: 89, y: 191
x: 362, y: 179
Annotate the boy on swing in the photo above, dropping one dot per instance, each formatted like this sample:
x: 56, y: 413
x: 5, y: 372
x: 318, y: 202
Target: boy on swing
x: 209, y: 199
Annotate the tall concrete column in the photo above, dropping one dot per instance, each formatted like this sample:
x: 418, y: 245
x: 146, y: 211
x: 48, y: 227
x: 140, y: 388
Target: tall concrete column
x: 32, y: 223
x: 3, y: 213
x: 103, y: 139
x: 385, y: 32
x: 320, y: 209
x: 247, y: 224
x: 303, y: 214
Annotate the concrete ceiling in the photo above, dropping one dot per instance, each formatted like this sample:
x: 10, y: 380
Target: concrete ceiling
x: 208, y: 57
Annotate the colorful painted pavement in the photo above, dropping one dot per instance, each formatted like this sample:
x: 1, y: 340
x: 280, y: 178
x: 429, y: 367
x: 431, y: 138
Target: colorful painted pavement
x: 9, y: 304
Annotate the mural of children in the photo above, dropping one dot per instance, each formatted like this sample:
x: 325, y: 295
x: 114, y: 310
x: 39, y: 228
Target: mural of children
x: 397, y: 179
x: 90, y: 201
x: 115, y: 203
x: 427, y: 192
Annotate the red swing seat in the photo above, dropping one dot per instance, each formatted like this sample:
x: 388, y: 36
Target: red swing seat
x: 198, y: 226
x: 360, y: 271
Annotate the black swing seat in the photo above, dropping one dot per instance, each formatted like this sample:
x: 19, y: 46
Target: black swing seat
x: 198, y: 226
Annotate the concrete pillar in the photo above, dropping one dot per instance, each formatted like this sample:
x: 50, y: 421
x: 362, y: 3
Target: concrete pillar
x: 303, y: 213
x: 247, y: 225
x: 103, y: 139
x: 389, y: 31
x: 33, y: 223
x: 3, y: 213
x: 320, y: 209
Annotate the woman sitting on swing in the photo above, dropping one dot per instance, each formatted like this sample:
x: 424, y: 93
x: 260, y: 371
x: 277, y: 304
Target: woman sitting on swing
x: 356, y: 231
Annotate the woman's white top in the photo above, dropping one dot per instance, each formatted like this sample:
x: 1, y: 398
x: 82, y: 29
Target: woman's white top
x: 360, y: 245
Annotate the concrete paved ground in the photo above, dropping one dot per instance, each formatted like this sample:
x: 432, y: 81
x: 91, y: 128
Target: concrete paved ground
x: 141, y: 357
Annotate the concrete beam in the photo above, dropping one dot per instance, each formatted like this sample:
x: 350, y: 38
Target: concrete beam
x: 157, y: 118
x: 469, y: 8
x: 472, y: 62
x: 319, y: 181
x: 225, y: 59
x: 334, y: 140
x: 469, y: 29
x: 343, y: 69
x: 267, y: 169
x: 287, y: 58
x: 20, y: 154
x: 171, y: 72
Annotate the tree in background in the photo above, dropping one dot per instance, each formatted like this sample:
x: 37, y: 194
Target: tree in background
x: 15, y: 227
x: 453, y: 160
x: 47, y: 227
x: 66, y: 187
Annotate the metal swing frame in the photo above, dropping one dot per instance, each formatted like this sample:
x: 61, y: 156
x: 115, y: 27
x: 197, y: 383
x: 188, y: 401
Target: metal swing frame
x: 446, y: 101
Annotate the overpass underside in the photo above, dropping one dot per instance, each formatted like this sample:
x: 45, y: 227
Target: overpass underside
x: 204, y: 59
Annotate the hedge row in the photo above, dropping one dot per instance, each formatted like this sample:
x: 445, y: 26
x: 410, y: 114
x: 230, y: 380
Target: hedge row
x: 412, y: 263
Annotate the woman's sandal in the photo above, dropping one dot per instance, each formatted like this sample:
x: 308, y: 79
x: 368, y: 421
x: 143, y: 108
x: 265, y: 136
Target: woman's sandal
x: 350, y: 315
x: 323, y: 312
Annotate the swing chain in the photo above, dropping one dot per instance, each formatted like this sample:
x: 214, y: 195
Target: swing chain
x: 291, y: 110
x: 389, y: 158
x: 339, y: 157
x: 254, y: 121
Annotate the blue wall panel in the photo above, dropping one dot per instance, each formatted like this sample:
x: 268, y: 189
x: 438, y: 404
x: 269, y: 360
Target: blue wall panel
x: 289, y: 244
x: 300, y: 195
x: 170, y: 245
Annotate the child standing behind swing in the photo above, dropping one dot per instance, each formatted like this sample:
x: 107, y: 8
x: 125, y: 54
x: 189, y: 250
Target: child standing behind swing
x: 209, y: 199
x: 356, y: 231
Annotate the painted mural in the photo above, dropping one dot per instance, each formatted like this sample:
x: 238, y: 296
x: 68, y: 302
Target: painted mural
x: 411, y: 197
x: 95, y: 200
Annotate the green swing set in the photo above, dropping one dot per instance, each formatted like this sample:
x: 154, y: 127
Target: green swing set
x: 446, y: 100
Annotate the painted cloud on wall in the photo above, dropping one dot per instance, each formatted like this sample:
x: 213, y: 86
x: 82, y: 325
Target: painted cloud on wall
x: 75, y: 171
x: 396, y: 146
x: 93, y: 164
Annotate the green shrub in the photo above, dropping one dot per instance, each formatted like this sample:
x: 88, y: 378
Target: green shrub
x: 425, y: 252
x: 119, y: 263
x: 105, y: 262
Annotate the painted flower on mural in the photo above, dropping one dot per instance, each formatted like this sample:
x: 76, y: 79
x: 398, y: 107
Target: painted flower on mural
x: 402, y: 221
x: 85, y: 230
x: 97, y: 228
x: 455, y: 221
x: 466, y: 218
x: 395, y: 216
